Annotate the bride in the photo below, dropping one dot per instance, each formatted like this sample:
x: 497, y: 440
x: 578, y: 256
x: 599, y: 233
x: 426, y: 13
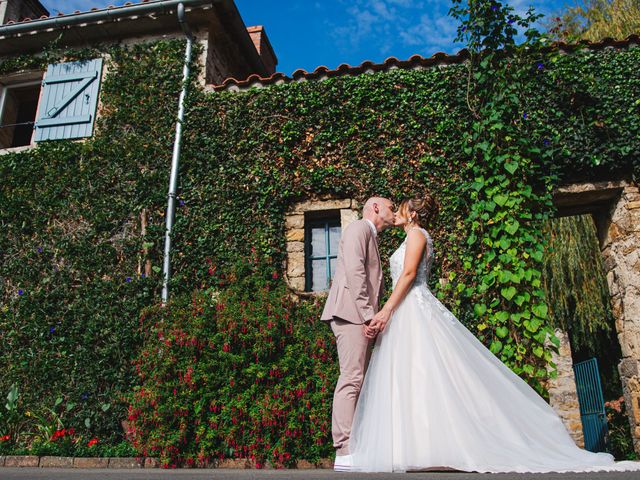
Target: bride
x: 435, y: 398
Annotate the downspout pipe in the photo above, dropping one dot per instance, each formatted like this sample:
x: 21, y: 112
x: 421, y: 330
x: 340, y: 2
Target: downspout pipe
x: 175, y: 160
x: 108, y: 14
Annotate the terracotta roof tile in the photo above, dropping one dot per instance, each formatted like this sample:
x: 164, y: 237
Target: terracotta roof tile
x: 415, y: 61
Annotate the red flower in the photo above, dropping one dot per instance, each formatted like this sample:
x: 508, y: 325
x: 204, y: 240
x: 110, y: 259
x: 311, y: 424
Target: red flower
x: 92, y: 442
x: 5, y: 438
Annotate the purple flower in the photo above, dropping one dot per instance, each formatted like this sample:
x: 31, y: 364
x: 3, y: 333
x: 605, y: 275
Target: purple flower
x: 540, y: 66
x: 546, y: 142
x: 142, y: 275
x: 84, y: 397
x: 464, y: 27
x: 182, y: 203
x: 52, y: 330
x: 39, y: 249
x: 510, y: 21
x: 20, y: 292
x: 494, y: 7
x: 128, y: 279
x: 524, y: 115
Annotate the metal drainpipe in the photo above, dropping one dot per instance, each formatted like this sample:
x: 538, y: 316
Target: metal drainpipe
x: 175, y: 160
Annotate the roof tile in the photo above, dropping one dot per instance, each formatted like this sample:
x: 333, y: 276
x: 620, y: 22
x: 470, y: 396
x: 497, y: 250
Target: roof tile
x: 415, y: 61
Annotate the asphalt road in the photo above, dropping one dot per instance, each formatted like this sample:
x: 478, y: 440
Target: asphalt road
x: 220, y: 474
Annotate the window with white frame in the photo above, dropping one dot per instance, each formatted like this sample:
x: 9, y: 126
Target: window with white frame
x: 60, y: 105
x: 18, y: 108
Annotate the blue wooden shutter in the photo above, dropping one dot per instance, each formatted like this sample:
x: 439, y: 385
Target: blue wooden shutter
x: 69, y: 99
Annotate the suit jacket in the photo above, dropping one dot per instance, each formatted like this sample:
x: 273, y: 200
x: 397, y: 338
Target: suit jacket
x: 357, y: 284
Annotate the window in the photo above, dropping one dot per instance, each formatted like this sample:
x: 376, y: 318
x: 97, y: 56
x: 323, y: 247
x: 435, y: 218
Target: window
x: 322, y: 236
x: 312, y: 231
x: 61, y: 106
x: 18, y: 106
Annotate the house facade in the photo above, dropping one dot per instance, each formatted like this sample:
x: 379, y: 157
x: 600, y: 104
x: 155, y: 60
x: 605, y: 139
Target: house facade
x: 276, y: 174
x: 41, y: 105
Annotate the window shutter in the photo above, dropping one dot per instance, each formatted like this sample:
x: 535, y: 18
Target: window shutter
x: 69, y: 99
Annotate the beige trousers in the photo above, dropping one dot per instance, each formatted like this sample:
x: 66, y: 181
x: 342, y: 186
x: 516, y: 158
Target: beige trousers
x: 353, y: 354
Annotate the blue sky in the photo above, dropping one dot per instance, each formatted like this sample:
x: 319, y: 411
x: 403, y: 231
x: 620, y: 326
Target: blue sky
x: 309, y: 33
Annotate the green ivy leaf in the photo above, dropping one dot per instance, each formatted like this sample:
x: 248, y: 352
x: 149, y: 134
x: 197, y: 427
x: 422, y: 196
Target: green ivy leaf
x: 500, y: 199
x: 540, y: 310
x: 504, y: 276
x: 479, y: 309
x: 511, y: 167
x: 502, y: 332
x: 512, y: 227
x: 495, y: 346
x: 508, y: 292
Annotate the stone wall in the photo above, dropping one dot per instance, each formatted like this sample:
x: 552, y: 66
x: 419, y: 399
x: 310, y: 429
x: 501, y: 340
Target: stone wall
x: 621, y: 251
x: 294, y: 225
x: 563, y: 395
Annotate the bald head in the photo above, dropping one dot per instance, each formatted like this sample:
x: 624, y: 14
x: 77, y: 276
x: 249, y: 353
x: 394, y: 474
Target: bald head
x: 380, y: 211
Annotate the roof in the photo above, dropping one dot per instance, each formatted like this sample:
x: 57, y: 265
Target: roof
x: 414, y: 62
x: 75, y: 12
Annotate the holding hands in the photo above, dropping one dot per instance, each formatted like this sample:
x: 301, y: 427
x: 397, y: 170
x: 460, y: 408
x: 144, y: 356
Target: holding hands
x: 378, y: 323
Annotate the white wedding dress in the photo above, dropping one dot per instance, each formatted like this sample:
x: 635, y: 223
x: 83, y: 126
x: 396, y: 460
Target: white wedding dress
x: 435, y: 397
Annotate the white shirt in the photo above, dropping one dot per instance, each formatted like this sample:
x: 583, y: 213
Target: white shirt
x: 373, y: 227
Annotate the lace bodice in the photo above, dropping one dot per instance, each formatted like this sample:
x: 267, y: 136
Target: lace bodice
x: 424, y: 269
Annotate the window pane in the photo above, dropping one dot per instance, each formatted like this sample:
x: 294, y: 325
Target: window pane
x: 333, y: 261
x: 319, y: 275
x: 318, y: 242
x: 20, y: 107
x: 334, y: 240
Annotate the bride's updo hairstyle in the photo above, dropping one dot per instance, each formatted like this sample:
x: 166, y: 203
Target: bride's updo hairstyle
x: 425, y: 207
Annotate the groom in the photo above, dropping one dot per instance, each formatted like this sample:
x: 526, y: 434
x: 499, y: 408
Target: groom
x: 353, y: 301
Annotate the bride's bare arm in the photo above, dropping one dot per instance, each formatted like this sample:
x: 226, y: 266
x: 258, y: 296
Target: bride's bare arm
x: 416, y: 243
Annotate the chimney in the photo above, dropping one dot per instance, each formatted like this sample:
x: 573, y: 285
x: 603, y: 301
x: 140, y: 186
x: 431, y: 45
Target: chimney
x: 263, y: 46
x: 18, y: 10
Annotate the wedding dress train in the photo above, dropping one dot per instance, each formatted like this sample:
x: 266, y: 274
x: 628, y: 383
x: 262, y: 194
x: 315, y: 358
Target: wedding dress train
x: 435, y: 397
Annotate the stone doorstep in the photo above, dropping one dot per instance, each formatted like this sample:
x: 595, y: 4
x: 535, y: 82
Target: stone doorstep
x: 133, y: 463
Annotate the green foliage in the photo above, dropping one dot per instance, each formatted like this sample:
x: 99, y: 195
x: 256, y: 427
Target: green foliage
x: 71, y: 245
x: 508, y: 181
x: 245, y: 372
x: 575, y: 284
x: 619, y: 440
x: 597, y: 19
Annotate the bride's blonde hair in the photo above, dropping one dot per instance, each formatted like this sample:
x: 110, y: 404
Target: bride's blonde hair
x: 425, y: 208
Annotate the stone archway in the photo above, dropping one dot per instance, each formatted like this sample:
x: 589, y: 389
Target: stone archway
x: 615, y: 206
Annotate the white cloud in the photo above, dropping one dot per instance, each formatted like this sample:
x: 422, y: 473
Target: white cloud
x: 389, y: 24
x: 437, y: 31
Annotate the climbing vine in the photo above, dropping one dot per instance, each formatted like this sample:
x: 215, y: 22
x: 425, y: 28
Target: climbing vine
x: 509, y: 182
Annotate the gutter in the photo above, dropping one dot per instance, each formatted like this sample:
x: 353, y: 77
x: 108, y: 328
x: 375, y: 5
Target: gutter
x: 175, y: 160
x: 108, y: 14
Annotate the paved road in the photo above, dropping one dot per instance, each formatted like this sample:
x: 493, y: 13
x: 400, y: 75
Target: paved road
x: 185, y: 474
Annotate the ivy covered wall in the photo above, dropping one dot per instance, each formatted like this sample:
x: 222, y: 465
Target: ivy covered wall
x: 71, y: 243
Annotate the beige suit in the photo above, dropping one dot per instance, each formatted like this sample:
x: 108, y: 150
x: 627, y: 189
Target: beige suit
x: 353, y: 300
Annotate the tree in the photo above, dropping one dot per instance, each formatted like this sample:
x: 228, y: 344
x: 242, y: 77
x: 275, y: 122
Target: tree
x: 596, y: 19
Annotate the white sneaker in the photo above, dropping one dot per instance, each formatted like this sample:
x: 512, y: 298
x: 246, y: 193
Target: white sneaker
x: 343, y: 463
